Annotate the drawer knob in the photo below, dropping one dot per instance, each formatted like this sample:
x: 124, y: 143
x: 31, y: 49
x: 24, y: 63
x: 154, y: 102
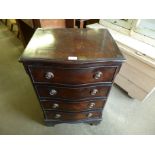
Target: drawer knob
x: 94, y: 92
x: 91, y: 105
x: 53, y: 92
x: 57, y: 116
x: 98, y: 75
x: 55, y: 105
x: 89, y: 115
x: 49, y: 75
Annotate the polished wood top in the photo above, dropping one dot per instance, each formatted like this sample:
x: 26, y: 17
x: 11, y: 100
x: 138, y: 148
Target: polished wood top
x: 68, y: 45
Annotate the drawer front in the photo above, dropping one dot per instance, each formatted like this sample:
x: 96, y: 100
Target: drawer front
x: 72, y: 106
x: 61, y: 116
x: 72, y: 93
x: 72, y: 76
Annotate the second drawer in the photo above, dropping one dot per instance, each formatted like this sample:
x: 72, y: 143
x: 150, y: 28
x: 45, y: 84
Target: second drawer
x: 55, y: 92
x: 72, y: 106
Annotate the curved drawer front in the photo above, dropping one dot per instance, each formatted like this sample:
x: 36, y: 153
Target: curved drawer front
x: 61, y: 116
x: 72, y: 93
x: 72, y: 106
x: 71, y: 76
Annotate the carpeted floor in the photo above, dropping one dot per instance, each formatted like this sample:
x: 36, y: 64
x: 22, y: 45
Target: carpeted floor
x: 20, y: 112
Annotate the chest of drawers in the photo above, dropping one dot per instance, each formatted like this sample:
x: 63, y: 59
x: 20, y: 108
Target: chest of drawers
x: 72, y: 71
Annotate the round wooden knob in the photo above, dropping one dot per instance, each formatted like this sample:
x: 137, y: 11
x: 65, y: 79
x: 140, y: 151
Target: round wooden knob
x: 57, y: 116
x: 94, y: 92
x: 98, y: 75
x: 55, y: 105
x: 91, y: 105
x: 49, y: 75
x: 53, y: 92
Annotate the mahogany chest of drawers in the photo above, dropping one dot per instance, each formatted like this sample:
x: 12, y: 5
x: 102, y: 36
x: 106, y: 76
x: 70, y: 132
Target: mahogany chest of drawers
x: 72, y: 71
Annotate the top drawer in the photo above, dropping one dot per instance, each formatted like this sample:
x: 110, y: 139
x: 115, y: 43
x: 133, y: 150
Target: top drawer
x: 41, y: 74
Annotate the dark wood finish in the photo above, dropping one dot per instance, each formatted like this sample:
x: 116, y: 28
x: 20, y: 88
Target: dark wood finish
x: 26, y: 30
x: 27, y: 27
x: 79, y: 75
x: 81, y: 23
x: 71, y: 69
x: 71, y: 93
x: 53, y: 23
x: 68, y: 44
x: 68, y: 106
x: 71, y: 116
x: 70, y: 23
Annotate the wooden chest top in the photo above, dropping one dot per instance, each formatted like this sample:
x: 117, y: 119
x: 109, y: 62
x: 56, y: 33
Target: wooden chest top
x: 68, y: 45
x: 72, y: 71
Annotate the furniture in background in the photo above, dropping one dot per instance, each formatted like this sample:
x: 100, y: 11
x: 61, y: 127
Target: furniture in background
x: 4, y: 21
x: 82, y: 23
x: 72, y: 71
x: 53, y: 23
x: 28, y: 26
x: 12, y: 25
x: 137, y: 75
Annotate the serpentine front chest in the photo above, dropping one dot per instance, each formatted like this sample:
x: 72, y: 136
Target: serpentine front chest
x: 72, y: 71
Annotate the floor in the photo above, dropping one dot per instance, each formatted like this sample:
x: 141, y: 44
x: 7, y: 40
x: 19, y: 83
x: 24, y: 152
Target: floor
x: 20, y: 112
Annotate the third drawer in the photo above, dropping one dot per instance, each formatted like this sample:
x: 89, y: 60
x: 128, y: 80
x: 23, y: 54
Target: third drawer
x: 72, y: 106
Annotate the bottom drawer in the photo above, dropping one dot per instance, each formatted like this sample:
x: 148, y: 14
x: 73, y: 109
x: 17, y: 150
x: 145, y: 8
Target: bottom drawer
x: 61, y: 116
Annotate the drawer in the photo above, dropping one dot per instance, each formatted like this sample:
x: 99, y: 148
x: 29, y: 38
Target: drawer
x: 72, y: 93
x: 61, y: 116
x: 71, y: 76
x: 72, y: 106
